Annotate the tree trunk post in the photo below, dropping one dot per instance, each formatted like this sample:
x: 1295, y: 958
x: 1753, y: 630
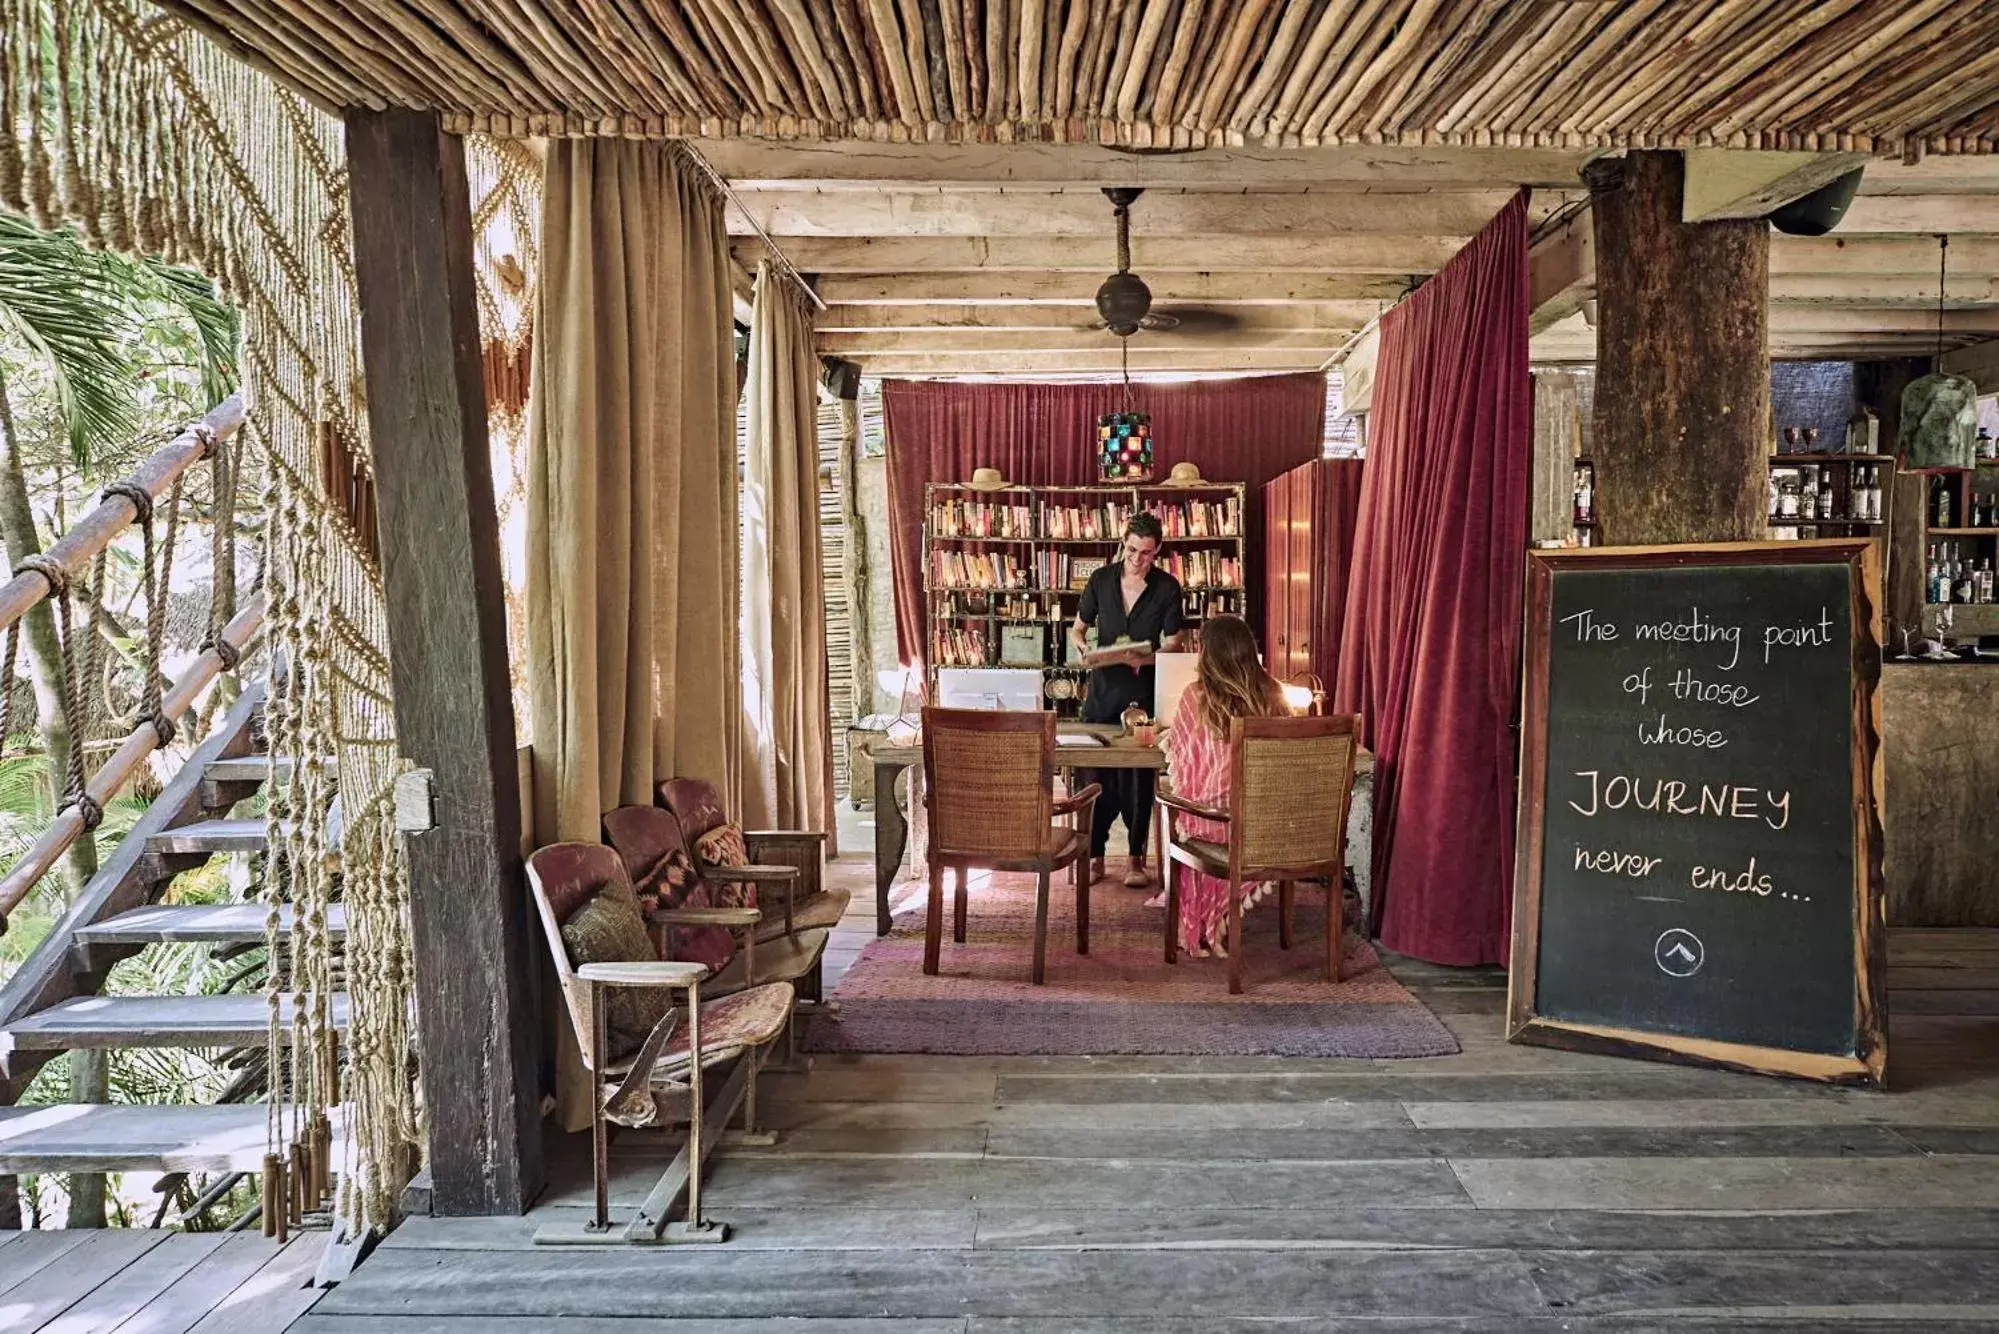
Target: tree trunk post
x: 1683, y: 362
x: 476, y: 1021
x: 38, y: 635
x: 89, y: 1081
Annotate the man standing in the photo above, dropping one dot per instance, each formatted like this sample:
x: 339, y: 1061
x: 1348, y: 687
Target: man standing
x: 1126, y: 600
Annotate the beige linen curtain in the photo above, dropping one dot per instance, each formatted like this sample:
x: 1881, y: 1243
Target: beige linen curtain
x: 788, y: 778
x: 633, y: 665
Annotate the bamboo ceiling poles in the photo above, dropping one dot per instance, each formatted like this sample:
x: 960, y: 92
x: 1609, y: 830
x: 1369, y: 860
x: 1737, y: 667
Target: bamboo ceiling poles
x: 1872, y: 76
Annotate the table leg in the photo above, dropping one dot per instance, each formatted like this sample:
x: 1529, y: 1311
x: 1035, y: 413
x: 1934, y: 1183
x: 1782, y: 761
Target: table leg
x: 891, y: 837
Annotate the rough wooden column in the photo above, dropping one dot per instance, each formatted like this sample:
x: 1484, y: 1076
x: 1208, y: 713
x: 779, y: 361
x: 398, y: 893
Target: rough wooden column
x: 1683, y: 362
x: 440, y: 546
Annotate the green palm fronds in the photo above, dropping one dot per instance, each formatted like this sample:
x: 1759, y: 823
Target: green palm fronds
x: 67, y: 303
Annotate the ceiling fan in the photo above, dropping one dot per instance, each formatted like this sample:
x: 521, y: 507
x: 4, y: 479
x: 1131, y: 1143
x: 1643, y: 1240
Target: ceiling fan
x: 1124, y: 302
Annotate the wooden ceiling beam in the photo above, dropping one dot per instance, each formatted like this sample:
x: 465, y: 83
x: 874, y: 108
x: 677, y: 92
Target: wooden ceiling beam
x: 1083, y: 340
x: 1043, y: 364
x: 1561, y: 272
x: 760, y: 163
x: 784, y: 212
x: 1932, y: 214
x: 865, y: 319
x: 1726, y: 183
x: 1839, y: 254
x: 1079, y: 289
x: 1304, y: 253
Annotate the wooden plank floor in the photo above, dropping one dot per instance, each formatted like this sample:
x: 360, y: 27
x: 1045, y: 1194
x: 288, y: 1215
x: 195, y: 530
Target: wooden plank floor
x: 1502, y: 1189
x: 139, y: 1281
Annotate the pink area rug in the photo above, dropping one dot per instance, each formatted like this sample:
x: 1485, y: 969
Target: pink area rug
x: 1122, y: 998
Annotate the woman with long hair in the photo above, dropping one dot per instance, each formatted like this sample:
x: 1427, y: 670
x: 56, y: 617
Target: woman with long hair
x: 1229, y: 682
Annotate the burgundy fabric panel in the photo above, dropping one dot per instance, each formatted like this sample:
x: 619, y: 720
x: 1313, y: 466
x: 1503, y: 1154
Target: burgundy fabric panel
x: 695, y: 803
x: 570, y: 874
x: 1335, y: 515
x: 1430, y: 653
x: 1246, y: 430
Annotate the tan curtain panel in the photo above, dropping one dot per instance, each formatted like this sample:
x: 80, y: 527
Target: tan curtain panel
x: 788, y: 780
x: 633, y: 667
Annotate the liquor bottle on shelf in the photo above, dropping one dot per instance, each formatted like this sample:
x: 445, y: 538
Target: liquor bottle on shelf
x: 1933, y: 577
x: 1871, y: 494
x: 1981, y: 588
x: 1940, y: 510
x: 1585, y: 492
x: 1966, y: 588
x: 1825, y: 493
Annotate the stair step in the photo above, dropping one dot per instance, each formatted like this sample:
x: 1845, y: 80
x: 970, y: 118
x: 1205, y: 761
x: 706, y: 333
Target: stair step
x: 151, y: 1021
x: 83, y: 1137
x: 226, y: 923
x: 211, y: 836
x: 254, y: 768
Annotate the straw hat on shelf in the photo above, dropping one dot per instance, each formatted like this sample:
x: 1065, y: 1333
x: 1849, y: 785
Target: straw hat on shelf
x: 1184, y: 474
x: 987, y: 479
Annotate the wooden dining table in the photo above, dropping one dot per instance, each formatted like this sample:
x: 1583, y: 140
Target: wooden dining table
x: 1108, y: 747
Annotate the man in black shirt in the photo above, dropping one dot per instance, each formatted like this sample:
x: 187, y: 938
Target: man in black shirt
x: 1126, y: 600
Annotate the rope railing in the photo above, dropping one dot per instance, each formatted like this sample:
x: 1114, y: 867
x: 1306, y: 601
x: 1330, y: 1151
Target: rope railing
x: 145, y: 738
x: 70, y: 555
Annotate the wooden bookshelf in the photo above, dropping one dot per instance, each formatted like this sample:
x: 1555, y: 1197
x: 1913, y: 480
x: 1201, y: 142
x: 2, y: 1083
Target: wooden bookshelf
x: 1003, y: 570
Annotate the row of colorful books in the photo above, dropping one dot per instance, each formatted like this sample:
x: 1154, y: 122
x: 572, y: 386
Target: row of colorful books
x: 958, y: 647
x: 1203, y: 569
x: 971, y: 518
x: 976, y: 569
x: 1201, y: 518
x: 1070, y: 522
x: 1059, y: 569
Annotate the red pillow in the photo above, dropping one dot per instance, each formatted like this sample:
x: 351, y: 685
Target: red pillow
x: 673, y: 883
x: 724, y: 846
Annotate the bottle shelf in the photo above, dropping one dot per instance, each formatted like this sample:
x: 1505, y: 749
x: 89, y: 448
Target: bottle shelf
x: 1964, y: 532
x: 1786, y: 457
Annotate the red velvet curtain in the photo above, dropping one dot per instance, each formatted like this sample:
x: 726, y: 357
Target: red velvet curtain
x: 1244, y: 430
x: 1336, y: 514
x: 1431, y: 652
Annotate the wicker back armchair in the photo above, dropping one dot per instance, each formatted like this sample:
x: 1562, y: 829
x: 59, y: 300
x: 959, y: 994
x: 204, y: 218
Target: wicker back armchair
x: 989, y: 785
x: 1290, y: 781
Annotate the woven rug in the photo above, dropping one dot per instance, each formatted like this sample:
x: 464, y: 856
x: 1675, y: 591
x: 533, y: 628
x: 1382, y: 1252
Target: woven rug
x: 1122, y: 998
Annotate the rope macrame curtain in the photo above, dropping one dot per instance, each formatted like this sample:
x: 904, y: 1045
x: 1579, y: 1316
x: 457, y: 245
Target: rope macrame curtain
x: 122, y: 123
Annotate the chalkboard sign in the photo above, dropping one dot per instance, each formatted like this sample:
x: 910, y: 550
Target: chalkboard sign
x: 1699, y: 851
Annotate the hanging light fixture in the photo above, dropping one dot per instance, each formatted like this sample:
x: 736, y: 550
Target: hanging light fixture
x: 1939, y: 428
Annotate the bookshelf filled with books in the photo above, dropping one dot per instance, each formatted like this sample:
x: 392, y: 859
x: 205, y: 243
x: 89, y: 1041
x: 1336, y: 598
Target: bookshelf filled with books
x: 1004, y: 568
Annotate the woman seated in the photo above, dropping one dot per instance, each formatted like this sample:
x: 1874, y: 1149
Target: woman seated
x: 1229, y: 682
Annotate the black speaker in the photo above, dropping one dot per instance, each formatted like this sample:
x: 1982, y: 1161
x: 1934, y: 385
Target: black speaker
x: 1820, y: 211
x: 842, y: 378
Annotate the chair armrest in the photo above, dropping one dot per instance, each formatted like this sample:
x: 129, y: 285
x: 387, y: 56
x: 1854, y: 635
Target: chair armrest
x: 1075, y: 801
x: 753, y: 874
x: 1191, y: 807
x: 707, y: 916
x: 643, y: 973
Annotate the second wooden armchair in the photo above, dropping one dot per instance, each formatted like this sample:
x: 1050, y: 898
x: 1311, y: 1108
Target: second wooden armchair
x: 989, y: 783
x: 1290, y: 780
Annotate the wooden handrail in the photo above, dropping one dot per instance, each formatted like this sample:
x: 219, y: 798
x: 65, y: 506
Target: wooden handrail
x: 114, y: 514
x: 131, y: 753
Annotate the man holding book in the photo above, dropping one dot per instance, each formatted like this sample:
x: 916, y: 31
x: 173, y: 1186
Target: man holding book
x: 1136, y: 611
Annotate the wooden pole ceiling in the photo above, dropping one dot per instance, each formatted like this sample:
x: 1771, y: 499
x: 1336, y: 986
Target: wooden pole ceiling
x: 1867, y: 76
x: 935, y: 166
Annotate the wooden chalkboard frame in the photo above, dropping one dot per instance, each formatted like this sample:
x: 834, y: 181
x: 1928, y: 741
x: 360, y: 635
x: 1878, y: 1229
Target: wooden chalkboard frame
x: 1524, y: 1025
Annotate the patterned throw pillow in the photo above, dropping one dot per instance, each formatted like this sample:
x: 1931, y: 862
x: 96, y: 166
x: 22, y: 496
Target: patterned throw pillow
x: 609, y: 929
x: 724, y: 846
x: 674, y: 883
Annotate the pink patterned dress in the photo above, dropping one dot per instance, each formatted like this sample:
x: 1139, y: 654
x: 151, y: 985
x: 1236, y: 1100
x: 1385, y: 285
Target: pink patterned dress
x: 1197, y: 761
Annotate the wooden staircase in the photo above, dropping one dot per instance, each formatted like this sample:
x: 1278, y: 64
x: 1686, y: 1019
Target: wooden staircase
x: 51, y: 1005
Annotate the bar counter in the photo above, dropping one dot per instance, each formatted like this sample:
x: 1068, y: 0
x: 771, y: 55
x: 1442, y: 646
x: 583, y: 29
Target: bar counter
x: 1940, y: 751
